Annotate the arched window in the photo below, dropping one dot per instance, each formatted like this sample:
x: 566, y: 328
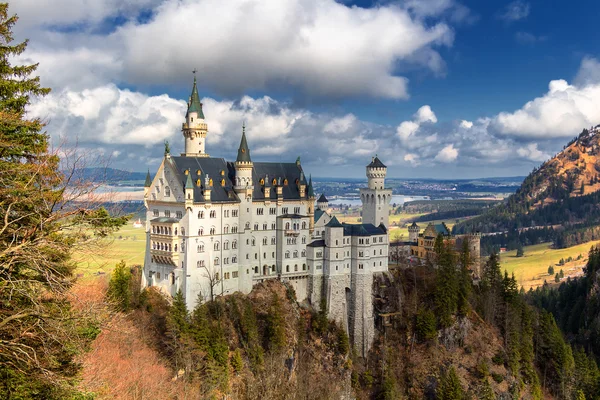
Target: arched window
x: 226, y: 229
x: 287, y: 225
x: 212, y: 230
x: 200, y: 214
x: 273, y: 240
x: 175, y: 231
x: 153, y: 229
x: 247, y: 225
x: 255, y: 227
x: 253, y: 242
x: 216, y: 260
x: 175, y: 246
x: 233, y: 259
x: 296, y: 254
x: 265, y: 240
x: 234, y: 229
x: 201, y: 248
x: 167, y: 191
x: 216, y: 245
x: 303, y: 253
x: 295, y: 267
x: 226, y: 245
x: 234, y: 244
x: 287, y: 254
x: 303, y: 225
x: 182, y: 231
x: 303, y: 239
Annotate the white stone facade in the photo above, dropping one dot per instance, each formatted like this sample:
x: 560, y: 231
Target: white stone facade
x: 216, y: 227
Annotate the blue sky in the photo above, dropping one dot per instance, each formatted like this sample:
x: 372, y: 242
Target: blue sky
x: 437, y: 88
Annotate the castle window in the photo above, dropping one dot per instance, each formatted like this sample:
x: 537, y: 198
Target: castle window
x: 200, y: 232
x: 179, y: 214
x: 234, y: 244
x: 233, y: 261
x: 303, y: 267
x: 157, y: 189
x: 198, y: 182
x: 226, y: 245
x: 216, y: 246
x: 217, y: 263
x: 285, y: 182
x: 319, y: 267
x: 186, y: 172
x: 303, y: 253
x: 296, y: 210
x: 274, y: 182
x: 167, y: 213
x: 265, y: 241
x: 198, y: 172
x: 255, y: 227
x: 222, y: 182
x: 182, y: 231
x: 210, y: 182
x: 265, y: 227
x: 247, y: 225
x: 222, y: 172
x: 212, y: 230
x: 226, y: 229
x: 262, y: 182
x: 253, y: 242
x: 175, y: 246
x: 201, y: 248
x: 234, y: 229
x: 200, y: 214
x: 213, y: 214
x: 287, y: 225
x: 273, y: 240
x: 295, y: 254
x: 200, y: 264
x: 259, y: 211
x: 287, y: 254
x: 287, y: 268
x: 295, y: 267
x: 167, y: 192
x: 284, y: 210
x: 303, y: 239
x: 234, y: 274
x: 234, y: 213
x: 273, y: 226
x: 319, y: 254
x: 303, y: 225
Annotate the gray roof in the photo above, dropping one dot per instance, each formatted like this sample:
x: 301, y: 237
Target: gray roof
x: 322, y: 199
x: 363, y: 230
x: 317, y: 243
x: 334, y: 223
x: 376, y: 163
x: 148, y: 182
x: 318, y: 214
x: 218, y: 169
x: 195, y: 105
x: 243, y: 150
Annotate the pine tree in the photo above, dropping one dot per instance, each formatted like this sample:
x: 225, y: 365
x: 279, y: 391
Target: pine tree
x: 118, y: 287
x: 38, y: 328
x: 551, y: 270
x: 446, y: 289
x: 464, y: 280
x: 520, y: 250
x: 450, y: 387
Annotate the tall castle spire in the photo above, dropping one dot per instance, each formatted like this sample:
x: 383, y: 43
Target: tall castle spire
x: 194, y: 128
x: 243, y: 151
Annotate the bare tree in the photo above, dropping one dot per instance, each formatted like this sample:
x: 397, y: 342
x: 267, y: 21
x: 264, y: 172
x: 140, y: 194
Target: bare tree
x: 212, y: 274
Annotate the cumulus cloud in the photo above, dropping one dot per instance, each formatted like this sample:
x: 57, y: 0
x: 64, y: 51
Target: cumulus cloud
x: 515, y: 11
x: 319, y: 48
x: 562, y: 112
x: 589, y: 72
x: 531, y: 152
x: 466, y: 124
x: 425, y: 114
x: 447, y: 154
x: 407, y: 129
x: 413, y: 159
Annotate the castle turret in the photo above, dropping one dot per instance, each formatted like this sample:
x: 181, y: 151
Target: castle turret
x: 189, y: 191
x: 310, y: 194
x: 375, y: 198
x: 147, y: 185
x: 322, y: 203
x: 244, y: 188
x: 194, y: 128
x: 413, y: 233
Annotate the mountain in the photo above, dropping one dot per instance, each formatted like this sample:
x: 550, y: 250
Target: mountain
x: 107, y: 175
x: 557, y: 201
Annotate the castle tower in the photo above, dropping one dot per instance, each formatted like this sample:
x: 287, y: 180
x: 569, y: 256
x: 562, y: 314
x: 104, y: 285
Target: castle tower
x: 322, y: 203
x: 375, y: 198
x: 194, y: 128
x: 244, y: 187
x: 413, y: 233
x: 310, y: 194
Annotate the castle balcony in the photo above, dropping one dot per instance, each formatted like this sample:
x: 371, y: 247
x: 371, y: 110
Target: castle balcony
x: 291, y: 232
x: 165, y: 257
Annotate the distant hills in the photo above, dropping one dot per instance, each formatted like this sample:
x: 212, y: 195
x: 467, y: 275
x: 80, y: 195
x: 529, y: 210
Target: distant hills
x: 557, y: 201
x: 108, y: 175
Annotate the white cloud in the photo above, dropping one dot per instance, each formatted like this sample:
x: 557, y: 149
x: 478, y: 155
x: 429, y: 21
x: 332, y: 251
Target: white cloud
x: 319, y: 48
x: 447, y: 154
x: 515, y: 11
x: 340, y: 125
x: 406, y: 129
x: 562, y: 112
x: 466, y: 124
x: 413, y: 159
x: 531, y: 152
x: 425, y: 114
x: 589, y: 72
x: 110, y: 115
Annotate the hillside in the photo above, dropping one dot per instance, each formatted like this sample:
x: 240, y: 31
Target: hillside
x: 559, y: 199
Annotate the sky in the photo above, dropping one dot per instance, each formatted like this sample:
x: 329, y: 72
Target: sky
x: 436, y: 88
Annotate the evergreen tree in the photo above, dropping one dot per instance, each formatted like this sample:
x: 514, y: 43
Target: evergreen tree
x: 551, y: 270
x: 119, y: 287
x: 520, y: 250
x: 38, y: 329
x: 464, y: 280
x: 275, y: 333
x: 446, y: 289
x: 450, y: 387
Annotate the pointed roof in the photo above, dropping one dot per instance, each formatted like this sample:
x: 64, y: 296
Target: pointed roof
x: 376, y: 163
x: 414, y: 225
x: 311, y: 193
x: 243, y: 151
x: 334, y: 223
x: 148, y: 182
x: 322, y: 199
x: 188, y: 183
x: 195, y: 105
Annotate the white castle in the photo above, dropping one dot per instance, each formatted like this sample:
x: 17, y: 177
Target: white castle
x: 215, y: 227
